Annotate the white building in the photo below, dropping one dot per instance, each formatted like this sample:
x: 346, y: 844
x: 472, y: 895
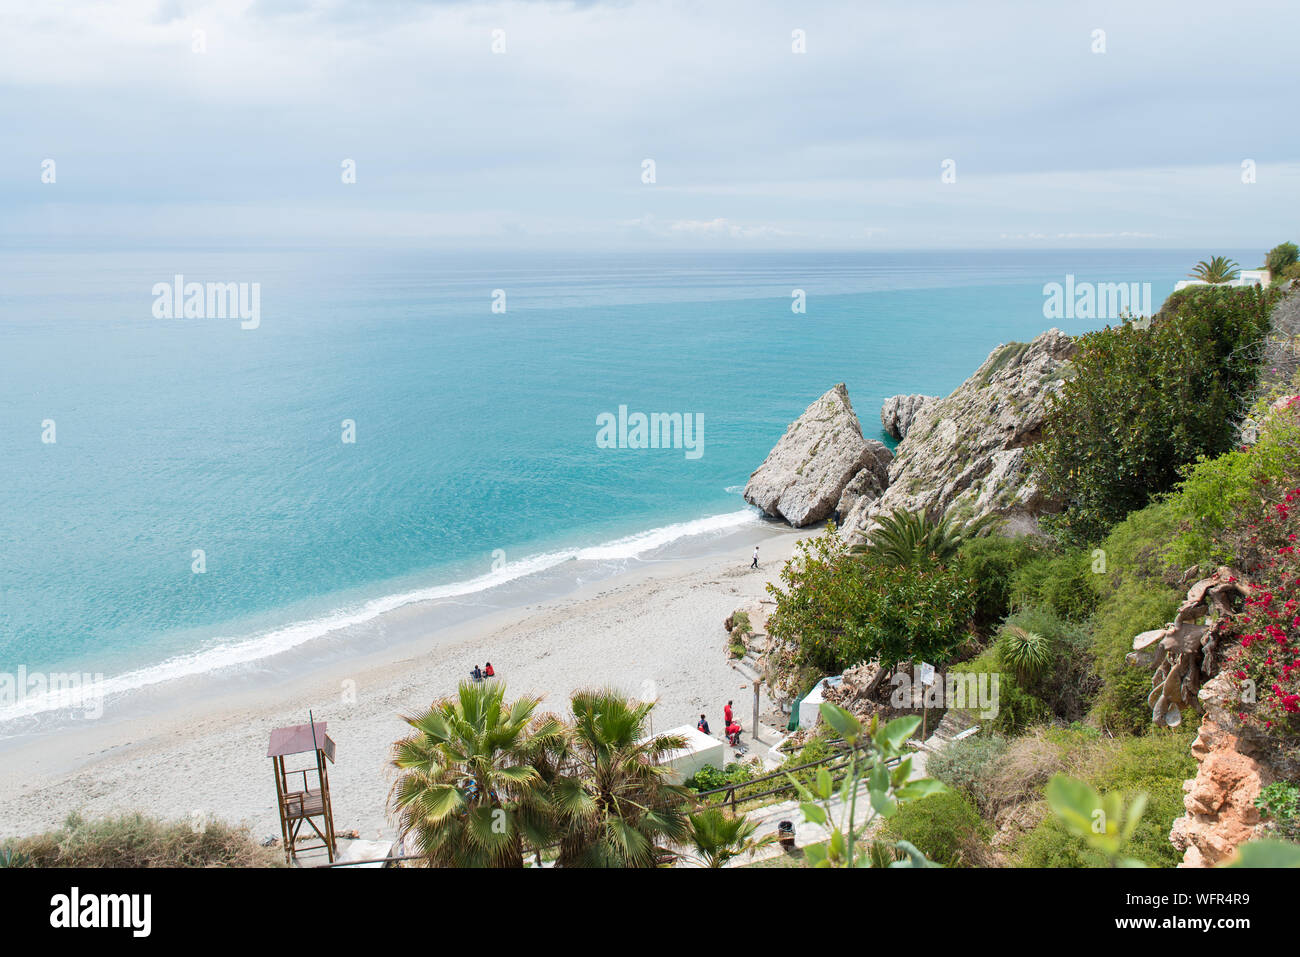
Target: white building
x: 701, y: 749
x: 1246, y: 277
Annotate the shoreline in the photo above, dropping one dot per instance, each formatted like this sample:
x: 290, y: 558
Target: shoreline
x: 199, y: 754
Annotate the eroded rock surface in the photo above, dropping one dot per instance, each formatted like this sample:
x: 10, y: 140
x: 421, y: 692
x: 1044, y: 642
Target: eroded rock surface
x: 804, y: 477
x: 965, y: 454
x: 898, y: 411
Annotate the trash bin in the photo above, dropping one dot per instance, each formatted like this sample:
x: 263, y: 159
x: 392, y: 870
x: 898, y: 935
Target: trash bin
x: 785, y: 835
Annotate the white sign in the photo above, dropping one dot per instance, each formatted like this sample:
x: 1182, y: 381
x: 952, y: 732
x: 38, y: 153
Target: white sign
x: 927, y: 674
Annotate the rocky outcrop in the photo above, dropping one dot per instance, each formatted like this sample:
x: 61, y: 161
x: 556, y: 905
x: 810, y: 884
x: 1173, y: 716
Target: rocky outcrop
x: 1233, y: 766
x: 804, y: 477
x: 869, y: 484
x: 898, y: 411
x: 965, y: 454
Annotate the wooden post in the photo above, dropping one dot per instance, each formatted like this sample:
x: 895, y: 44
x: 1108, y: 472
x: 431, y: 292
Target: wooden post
x: 755, y: 731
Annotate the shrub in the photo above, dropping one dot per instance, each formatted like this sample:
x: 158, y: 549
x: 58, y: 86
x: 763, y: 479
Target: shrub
x: 1017, y: 707
x: 1137, y: 550
x: 1060, y: 581
x: 1266, y: 664
x: 1281, y: 256
x: 1120, y: 705
x: 838, y: 609
x: 1064, y: 678
x: 1279, y: 805
x: 708, y: 777
x: 945, y: 827
x: 992, y: 563
x: 1141, y: 403
x: 1225, y: 503
x: 964, y: 765
x: 134, y: 840
x: 1156, y: 765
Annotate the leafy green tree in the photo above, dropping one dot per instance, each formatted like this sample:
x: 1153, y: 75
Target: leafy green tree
x: 1281, y: 256
x: 838, y: 609
x: 716, y: 836
x: 1142, y: 403
x: 467, y: 793
x: 870, y: 750
x: 1217, y: 270
x: 615, y: 806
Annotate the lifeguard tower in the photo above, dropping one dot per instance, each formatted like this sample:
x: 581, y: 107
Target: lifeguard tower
x: 309, y: 803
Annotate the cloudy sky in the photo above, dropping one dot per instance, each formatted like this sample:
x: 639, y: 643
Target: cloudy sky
x: 754, y: 145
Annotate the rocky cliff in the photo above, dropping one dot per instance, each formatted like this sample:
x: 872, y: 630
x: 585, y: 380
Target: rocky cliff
x: 898, y: 411
x: 965, y: 454
x: 1233, y: 766
x: 807, y: 474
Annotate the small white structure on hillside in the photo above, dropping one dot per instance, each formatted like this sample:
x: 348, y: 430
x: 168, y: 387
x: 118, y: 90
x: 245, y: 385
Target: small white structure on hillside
x: 1245, y: 277
x: 810, y: 709
x: 701, y: 749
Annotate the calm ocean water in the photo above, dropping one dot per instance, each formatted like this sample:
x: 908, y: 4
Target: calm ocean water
x: 475, y: 457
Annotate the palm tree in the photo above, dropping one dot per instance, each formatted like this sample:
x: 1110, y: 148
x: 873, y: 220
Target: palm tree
x: 1217, y: 270
x: 717, y: 837
x: 616, y: 807
x: 904, y: 538
x: 467, y: 794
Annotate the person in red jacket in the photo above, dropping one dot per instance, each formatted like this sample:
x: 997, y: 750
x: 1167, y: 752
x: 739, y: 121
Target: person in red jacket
x: 726, y: 714
x: 733, y: 734
x: 489, y: 671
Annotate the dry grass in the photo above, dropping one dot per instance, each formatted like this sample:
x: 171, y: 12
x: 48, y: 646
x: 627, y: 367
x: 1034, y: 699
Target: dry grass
x: 133, y: 840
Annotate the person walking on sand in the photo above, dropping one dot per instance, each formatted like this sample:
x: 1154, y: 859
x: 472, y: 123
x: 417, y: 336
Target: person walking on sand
x: 754, y: 563
x: 703, y: 726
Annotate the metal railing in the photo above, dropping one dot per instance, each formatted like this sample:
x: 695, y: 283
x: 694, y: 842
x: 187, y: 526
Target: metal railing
x: 833, y: 763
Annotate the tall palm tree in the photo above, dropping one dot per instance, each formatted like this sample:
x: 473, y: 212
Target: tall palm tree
x: 467, y: 794
x: 1217, y: 270
x: 616, y: 807
x: 717, y: 837
x: 904, y: 538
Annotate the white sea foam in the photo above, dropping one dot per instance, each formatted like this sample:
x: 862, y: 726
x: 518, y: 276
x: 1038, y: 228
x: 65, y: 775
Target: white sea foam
x: 230, y: 652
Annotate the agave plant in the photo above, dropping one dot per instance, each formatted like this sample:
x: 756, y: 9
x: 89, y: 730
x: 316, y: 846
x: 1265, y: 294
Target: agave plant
x: 904, y: 538
x: 468, y: 792
x: 1217, y: 270
x: 1028, y: 653
x: 717, y: 837
x: 617, y: 807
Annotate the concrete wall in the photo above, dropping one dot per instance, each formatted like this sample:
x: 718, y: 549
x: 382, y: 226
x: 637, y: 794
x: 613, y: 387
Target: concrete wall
x: 701, y: 749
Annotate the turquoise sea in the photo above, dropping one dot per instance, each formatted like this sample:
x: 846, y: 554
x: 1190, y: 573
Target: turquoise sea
x: 474, y: 461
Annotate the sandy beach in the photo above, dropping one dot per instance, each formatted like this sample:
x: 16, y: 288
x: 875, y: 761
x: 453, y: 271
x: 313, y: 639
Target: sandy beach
x: 657, y: 626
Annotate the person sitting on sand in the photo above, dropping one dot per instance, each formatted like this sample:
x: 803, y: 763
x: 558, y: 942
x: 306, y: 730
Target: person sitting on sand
x: 489, y: 671
x: 733, y: 734
x: 703, y: 725
x: 477, y: 673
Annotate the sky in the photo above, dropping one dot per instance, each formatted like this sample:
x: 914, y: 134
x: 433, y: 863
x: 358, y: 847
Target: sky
x: 179, y: 122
